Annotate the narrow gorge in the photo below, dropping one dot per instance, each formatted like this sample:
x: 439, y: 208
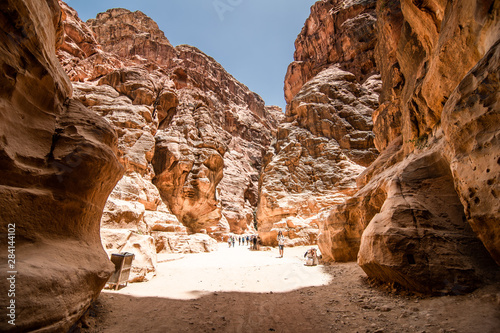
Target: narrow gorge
x: 114, y: 140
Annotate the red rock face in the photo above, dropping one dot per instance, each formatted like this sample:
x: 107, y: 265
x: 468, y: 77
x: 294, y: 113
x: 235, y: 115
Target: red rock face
x: 336, y: 32
x: 184, y: 123
x: 326, y: 140
x: 405, y: 222
x: 58, y: 166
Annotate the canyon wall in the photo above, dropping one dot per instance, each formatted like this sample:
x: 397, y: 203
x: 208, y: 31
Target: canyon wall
x: 424, y: 215
x: 190, y: 136
x: 326, y: 140
x: 58, y: 166
x: 164, y: 122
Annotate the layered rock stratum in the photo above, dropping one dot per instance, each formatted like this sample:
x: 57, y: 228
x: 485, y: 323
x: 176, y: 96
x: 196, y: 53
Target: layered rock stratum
x: 424, y: 212
x: 326, y: 140
x: 190, y: 136
x: 388, y: 153
x: 58, y: 165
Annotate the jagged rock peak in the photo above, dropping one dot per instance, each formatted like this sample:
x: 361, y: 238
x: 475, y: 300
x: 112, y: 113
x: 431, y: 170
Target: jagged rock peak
x: 188, y: 130
x: 116, y: 19
x: 338, y: 32
x: 326, y: 140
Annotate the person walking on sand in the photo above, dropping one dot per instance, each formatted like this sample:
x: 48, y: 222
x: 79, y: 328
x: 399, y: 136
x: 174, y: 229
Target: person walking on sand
x: 233, y: 240
x: 229, y: 241
x: 281, y: 243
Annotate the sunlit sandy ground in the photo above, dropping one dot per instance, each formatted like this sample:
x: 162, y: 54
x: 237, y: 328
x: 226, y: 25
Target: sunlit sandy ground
x: 230, y: 269
x: 237, y: 290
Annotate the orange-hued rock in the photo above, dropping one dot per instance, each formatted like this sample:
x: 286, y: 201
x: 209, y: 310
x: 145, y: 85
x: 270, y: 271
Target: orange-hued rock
x: 326, y: 139
x: 336, y: 32
x: 411, y: 220
x: 387, y: 118
x: 58, y: 166
x: 470, y: 121
x: 420, y: 237
x: 80, y: 55
x: 190, y: 136
x: 129, y: 34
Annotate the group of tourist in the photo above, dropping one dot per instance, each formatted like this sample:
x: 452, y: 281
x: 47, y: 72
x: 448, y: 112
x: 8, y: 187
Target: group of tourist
x: 253, y: 240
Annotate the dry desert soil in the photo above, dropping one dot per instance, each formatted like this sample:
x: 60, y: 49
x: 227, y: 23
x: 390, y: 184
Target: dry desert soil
x: 238, y: 290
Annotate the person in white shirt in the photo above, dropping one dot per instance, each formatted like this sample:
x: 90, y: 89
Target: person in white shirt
x: 281, y: 243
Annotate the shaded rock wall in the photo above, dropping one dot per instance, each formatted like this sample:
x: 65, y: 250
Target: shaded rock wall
x: 326, y: 139
x: 411, y: 221
x: 58, y: 166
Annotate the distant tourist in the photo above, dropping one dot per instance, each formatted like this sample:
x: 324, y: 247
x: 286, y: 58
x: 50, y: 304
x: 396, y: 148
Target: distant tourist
x: 281, y: 243
x: 254, y: 242
x: 233, y: 240
x: 229, y: 241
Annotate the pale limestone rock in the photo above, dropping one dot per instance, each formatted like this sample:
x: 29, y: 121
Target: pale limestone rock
x: 117, y: 241
x: 168, y: 242
x: 123, y: 214
x: 144, y: 250
x: 113, y: 240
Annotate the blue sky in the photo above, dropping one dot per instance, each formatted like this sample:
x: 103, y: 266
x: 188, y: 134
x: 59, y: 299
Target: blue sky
x: 252, y: 39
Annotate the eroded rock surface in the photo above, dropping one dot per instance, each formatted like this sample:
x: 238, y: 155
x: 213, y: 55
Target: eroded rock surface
x: 412, y: 216
x: 336, y: 32
x: 58, y: 166
x: 326, y: 139
x: 470, y: 121
x: 190, y: 136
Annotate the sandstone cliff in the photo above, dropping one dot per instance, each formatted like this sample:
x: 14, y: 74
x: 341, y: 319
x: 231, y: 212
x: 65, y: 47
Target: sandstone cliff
x: 58, y: 166
x: 326, y: 140
x: 433, y: 191
x: 190, y: 136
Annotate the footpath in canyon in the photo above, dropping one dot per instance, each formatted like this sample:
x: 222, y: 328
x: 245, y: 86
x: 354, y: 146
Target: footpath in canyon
x: 387, y: 158
x: 238, y: 290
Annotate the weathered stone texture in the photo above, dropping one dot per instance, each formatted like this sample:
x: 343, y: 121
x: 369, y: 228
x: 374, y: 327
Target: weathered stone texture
x: 326, y: 139
x: 470, y: 121
x: 58, y: 166
x: 190, y: 136
x: 336, y: 32
x: 411, y: 221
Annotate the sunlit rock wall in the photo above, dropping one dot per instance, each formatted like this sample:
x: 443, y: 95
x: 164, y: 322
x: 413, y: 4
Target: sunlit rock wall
x: 326, y: 140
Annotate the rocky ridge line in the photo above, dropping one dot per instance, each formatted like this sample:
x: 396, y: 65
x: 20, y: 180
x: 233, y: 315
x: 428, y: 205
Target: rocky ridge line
x: 191, y: 137
x: 326, y: 140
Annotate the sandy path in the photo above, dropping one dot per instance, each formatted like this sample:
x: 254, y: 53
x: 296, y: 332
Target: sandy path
x: 230, y: 269
x: 236, y: 290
